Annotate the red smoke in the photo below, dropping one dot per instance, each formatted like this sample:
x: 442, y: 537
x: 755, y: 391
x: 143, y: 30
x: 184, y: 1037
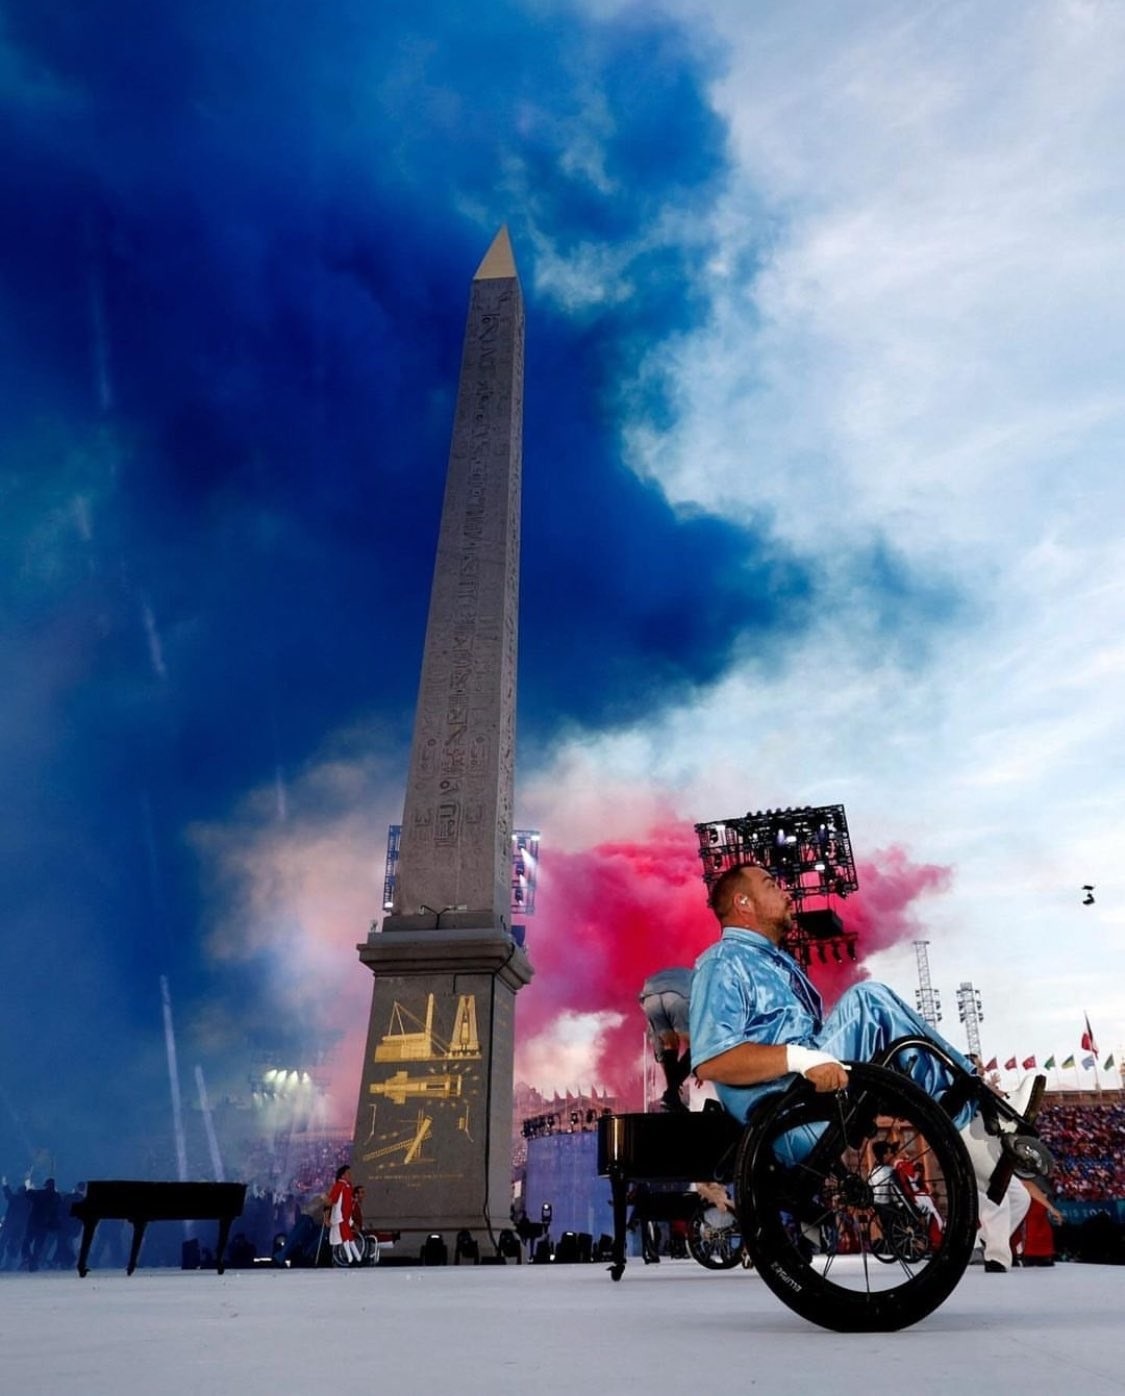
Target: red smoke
x: 609, y: 916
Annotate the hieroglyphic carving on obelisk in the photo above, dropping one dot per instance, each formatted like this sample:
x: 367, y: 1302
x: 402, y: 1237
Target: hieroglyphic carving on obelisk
x: 455, y: 857
x: 433, y: 1123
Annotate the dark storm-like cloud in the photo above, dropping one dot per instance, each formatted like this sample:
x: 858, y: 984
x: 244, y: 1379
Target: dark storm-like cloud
x: 234, y: 296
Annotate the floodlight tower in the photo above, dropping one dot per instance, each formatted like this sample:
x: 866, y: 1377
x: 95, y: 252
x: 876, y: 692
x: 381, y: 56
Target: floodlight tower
x: 971, y: 1013
x: 926, y: 997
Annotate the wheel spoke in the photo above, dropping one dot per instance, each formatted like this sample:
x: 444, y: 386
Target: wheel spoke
x: 805, y: 1182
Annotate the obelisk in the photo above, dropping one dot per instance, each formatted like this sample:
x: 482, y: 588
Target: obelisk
x: 433, y: 1125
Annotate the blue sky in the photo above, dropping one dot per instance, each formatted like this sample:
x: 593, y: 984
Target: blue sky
x: 822, y: 498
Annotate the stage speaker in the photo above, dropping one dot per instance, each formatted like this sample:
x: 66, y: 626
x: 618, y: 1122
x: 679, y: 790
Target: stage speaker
x: 434, y: 1250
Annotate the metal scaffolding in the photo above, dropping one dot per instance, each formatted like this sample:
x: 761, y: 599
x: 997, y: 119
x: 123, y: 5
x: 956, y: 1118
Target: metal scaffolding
x: 971, y: 1014
x: 926, y: 997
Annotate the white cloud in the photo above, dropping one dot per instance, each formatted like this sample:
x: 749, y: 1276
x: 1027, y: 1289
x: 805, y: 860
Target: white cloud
x: 918, y: 318
x: 927, y: 338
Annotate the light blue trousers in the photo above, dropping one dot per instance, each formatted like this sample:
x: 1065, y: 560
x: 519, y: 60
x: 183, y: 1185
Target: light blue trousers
x: 868, y: 1018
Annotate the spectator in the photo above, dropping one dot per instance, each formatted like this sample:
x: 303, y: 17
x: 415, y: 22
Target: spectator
x: 302, y: 1246
x: 14, y: 1228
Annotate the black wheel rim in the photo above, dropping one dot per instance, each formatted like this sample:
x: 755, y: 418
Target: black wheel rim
x: 847, y: 1252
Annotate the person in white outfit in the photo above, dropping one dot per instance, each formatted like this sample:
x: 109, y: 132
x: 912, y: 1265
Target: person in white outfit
x: 997, y: 1219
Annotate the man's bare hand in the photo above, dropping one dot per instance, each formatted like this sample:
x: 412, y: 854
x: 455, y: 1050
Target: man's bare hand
x: 831, y: 1076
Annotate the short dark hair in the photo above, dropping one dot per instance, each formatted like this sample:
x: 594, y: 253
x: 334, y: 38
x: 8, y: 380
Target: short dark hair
x: 343, y: 1168
x: 725, y: 888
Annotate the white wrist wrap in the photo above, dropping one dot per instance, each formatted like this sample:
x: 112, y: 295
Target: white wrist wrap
x: 800, y: 1059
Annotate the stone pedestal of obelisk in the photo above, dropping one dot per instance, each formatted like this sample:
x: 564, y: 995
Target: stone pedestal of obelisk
x: 434, y: 1120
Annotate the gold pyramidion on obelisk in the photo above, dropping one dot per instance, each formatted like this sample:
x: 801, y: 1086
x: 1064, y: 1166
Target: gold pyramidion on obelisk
x: 498, y: 263
x: 433, y: 1124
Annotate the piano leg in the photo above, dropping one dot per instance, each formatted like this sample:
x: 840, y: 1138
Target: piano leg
x: 135, y: 1249
x: 224, y: 1232
x: 619, y: 1188
x: 89, y: 1226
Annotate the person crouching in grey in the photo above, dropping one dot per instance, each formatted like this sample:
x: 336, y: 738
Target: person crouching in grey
x: 666, y: 999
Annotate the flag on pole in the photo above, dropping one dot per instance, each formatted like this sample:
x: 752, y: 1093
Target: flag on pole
x: 1089, y: 1063
x: 991, y: 1065
x: 1049, y: 1064
x: 1028, y: 1063
x: 1109, y: 1061
x: 1010, y: 1064
x: 1068, y: 1063
x: 1088, y: 1043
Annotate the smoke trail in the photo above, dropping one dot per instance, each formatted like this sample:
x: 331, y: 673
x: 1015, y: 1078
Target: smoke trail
x: 174, y: 1080
x: 99, y: 330
x: 152, y: 636
x: 208, y: 1124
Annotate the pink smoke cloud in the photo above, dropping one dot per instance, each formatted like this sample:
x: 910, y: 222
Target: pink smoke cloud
x: 610, y: 915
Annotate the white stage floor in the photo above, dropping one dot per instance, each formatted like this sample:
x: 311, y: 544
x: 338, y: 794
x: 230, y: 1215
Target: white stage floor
x: 458, y: 1331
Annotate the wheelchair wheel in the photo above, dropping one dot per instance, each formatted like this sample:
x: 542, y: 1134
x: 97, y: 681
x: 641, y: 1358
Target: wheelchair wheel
x: 715, y: 1244
x: 345, y: 1258
x: 808, y: 1213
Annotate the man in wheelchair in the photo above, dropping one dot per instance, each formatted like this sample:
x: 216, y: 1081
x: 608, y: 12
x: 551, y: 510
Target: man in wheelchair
x: 757, y: 1023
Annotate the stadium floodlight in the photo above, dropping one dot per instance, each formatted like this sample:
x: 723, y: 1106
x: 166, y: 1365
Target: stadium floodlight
x: 525, y: 870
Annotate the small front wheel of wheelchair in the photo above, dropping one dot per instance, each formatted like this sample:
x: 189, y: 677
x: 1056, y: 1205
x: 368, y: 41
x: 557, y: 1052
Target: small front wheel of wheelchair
x: 713, y: 1245
x: 1030, y: 1156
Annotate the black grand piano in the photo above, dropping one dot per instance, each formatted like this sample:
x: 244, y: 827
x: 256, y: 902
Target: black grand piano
x: 691, y: 1147
x: 142, y: 1202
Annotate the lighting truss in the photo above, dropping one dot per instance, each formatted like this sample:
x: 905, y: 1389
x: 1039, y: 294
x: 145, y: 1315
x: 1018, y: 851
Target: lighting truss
x: 394, y: 839
x: 525, y: 869
x: 808, y: 851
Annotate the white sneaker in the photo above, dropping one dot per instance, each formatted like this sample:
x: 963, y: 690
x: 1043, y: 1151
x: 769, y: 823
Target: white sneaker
x: 1019, y: 1100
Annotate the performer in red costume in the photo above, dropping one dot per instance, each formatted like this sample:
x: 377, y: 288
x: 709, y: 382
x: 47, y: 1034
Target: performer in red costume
x: 910, y: 1180
x: 341, y: 1200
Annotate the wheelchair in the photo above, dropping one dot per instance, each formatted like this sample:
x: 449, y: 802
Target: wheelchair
x: 806, y: 1210
x: 903, y: 1234
x: 367, y: 1246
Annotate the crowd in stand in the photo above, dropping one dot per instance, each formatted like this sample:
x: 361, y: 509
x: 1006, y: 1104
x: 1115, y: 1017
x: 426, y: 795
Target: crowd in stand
x: 1088, y: 1143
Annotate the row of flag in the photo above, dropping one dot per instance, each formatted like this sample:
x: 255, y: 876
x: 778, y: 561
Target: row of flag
x: 1089, y: 1062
